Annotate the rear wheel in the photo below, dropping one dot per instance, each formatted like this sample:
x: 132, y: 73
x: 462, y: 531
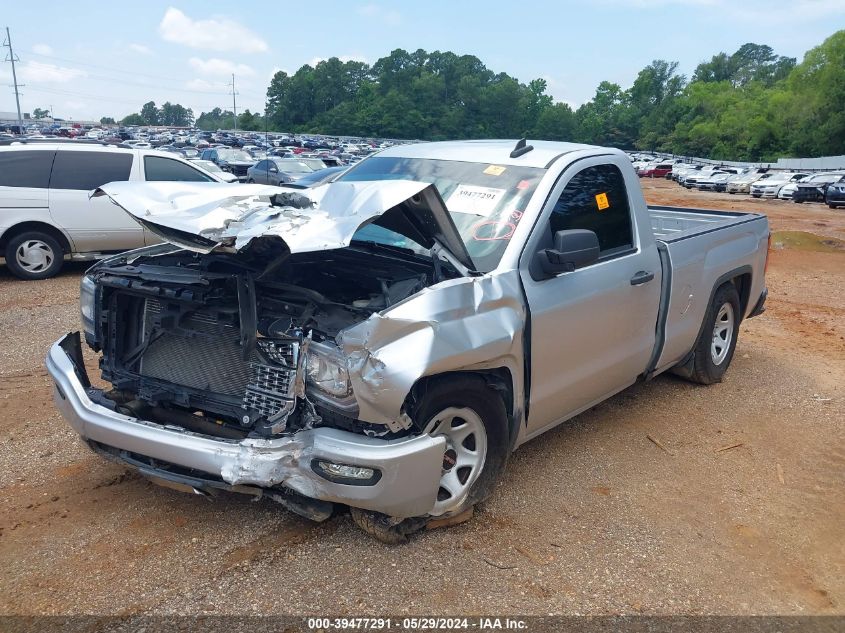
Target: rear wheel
x: 832, y: 206
x: 715, y: 348
x: 250, y: 180
x: 471, y: 417
x: 34, y: 255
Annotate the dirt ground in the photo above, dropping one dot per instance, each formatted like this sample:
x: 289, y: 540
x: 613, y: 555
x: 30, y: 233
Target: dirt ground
x: 668, y: 499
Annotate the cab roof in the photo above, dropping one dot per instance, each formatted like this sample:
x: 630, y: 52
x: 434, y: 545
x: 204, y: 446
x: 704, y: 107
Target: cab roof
x: 487, y: 151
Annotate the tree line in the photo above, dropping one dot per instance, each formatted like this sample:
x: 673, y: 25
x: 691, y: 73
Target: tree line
x: 172, y: 114
x: 751, y: 104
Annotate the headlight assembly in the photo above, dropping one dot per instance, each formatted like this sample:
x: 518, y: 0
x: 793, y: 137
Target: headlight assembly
x: 87, y: 307
x: 326, y: 376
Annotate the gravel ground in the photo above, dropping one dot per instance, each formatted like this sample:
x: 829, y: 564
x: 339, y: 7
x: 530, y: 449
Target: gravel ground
x: 635, y: 506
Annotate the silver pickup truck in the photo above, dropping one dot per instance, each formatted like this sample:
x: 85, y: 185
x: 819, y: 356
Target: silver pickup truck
x: 386, y: 340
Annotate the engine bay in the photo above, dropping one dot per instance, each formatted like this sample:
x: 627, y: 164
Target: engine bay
x: 242, y: 344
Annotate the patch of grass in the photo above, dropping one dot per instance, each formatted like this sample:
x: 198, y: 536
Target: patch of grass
x: 803, y: 241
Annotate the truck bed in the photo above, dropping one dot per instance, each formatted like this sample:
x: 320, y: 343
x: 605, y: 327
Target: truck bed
x: 698, y: 248
x: 671, y: 224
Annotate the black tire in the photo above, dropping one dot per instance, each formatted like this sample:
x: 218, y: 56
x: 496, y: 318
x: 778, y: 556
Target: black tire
x: 45, y: 242
x: 705, y: 370
x: 832, y: 206
x: 386, y: 529
x: 250, y: 181
x: 469, y: 392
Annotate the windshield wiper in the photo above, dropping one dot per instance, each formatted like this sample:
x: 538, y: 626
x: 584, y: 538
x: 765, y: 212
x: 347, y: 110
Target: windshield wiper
x: 390, y: 247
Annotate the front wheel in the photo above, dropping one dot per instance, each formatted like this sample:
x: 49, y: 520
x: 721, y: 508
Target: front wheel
x: 471, y: 417
x: 34, y: 255
x: 832, y: 206
x: 715, y: 347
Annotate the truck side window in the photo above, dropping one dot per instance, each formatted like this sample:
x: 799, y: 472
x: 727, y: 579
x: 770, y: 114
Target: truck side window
x: 596, y: 199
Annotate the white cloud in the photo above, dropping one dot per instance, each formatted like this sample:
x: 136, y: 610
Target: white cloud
x: 140, y: 49
x: 42, y: 49
x: 219, y: 67
x: 216, y: 34
x: 376, y: 12
x: 38, y: 72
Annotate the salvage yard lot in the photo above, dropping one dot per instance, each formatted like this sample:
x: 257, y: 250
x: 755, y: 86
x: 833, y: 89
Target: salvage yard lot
x: 669, y: 498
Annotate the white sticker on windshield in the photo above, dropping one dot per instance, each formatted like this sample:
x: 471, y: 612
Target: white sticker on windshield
x: 474, y: 200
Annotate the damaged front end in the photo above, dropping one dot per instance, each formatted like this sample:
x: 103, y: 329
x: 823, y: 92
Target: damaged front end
x: 259, y: 353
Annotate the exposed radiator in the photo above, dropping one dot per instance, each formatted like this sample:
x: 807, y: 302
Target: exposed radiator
x: 205, y: 354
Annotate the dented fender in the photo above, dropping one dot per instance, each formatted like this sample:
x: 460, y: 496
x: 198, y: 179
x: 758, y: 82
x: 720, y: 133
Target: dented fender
x: 465, y: 324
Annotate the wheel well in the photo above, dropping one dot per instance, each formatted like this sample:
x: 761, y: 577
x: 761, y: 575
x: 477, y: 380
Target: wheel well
x: 499, y: 379
x: 25, y: 227
x: 743, y: 287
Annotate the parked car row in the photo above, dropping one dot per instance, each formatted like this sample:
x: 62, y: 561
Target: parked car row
x: 826, y: 186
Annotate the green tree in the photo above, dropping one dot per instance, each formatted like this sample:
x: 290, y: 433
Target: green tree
x: 751, y: 104
x: 175, y: 114
x: 815, y: 114
x: 555, y: 123
x: 39, y: 113
x: 250, y: 122
x: 107, y: 120
x: 217, y: 119
x: 133, y: 119
x: 150, y: 113
x: 751, y: 62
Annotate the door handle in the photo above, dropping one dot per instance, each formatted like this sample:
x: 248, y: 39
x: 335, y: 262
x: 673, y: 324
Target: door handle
x: 641, y: 277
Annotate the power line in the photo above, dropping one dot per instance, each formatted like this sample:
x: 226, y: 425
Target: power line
x: 12, y: 58
x: 122, y: 72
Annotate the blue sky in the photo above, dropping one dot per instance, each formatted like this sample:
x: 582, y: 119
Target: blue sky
x: 91, y: 59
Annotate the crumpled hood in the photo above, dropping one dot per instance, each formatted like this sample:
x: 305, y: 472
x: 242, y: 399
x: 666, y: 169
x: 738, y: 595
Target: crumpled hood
x: 220, y: 216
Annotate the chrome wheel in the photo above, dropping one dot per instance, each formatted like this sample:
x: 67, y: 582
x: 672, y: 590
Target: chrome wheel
x: 723, y: 332
x: 466, y: 450
x: 34, y: 256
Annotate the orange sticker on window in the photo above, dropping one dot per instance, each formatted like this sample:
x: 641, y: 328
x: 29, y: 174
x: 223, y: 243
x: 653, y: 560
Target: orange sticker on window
x: 601, y: 201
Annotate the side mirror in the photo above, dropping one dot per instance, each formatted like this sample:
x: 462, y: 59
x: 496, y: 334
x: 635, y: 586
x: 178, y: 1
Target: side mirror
x: 572, y: 249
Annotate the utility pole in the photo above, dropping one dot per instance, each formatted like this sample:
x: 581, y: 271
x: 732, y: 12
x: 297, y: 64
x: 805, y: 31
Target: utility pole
x: 11, y: 58
x: 234, y: 102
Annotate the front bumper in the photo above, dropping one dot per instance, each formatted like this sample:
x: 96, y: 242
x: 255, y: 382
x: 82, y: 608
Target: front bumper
x: 410, y: 468
x: 807, y: 195
x: 764, y: 193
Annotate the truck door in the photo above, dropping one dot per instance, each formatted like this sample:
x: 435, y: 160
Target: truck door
x: 593, y: 329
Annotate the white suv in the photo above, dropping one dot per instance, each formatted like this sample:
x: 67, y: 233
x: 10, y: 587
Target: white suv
x: 48, y: 215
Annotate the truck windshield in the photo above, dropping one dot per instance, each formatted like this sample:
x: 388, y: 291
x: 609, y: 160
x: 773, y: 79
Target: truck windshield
x: 485, y: 201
